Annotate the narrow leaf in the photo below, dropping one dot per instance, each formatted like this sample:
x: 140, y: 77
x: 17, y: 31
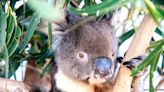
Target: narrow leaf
x: 49, y: 35
x: 13, y: 47
x: 3, y: 48
x: 107, y: 5
x: 126, y: 36
x: 30, y: 31
x: 148, y: 60
x: 155, y: 44
x: 158, y: 31
x: 18, y: 31
x: 153, y: 11
x: 2, y: 30
x: 153, y: 68
x: 10, y: 27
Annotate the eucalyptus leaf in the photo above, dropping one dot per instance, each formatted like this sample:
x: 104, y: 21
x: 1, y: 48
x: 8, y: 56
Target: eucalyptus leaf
x: 2, y: 30
x: 3, y: 48
x: 153, y: 68
x: 13, y: 47
x: 107, y: 5
x: 18, y: 31
x: 126, y: 36
x: 30, y: 31
x: 10, y: 27
x: 49, y: 35
x: 158, y: 31
x: 153, y: 10
x: 155, y: 43
x: 149, y: 59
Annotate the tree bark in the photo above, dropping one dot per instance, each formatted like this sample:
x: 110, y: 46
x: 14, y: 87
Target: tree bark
x: 7, y: 85
x: 138, y: 46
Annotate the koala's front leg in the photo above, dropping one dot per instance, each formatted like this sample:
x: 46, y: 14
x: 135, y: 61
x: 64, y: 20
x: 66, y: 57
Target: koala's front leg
x: 134, y: 62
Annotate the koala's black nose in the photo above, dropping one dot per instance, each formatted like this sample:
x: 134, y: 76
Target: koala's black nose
x: 103, y: 67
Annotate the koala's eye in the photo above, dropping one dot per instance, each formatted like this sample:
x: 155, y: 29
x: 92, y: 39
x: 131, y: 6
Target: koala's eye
x: 113, y: 54
x: 82, y: 56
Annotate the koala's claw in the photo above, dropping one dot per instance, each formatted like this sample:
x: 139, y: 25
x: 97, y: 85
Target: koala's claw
x: 134, y: 62
x: 119, y: 59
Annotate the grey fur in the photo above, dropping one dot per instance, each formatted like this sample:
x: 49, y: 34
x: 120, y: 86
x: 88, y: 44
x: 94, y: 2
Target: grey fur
x: 94, y: 38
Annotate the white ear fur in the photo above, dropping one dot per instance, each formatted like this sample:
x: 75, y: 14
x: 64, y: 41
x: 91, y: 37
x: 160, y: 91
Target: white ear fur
x: 56, y: 39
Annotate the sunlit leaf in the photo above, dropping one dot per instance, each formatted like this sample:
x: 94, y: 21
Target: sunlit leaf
x: 45, y: 10
x: 149, y: 59
x: 153, y: 10
x: 154, y: 44
x: 107, y: 6
x: 153, y: 68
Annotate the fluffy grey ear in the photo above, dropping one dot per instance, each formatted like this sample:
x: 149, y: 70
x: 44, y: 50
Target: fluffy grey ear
x: 71, y: 18
x: 56, y: 39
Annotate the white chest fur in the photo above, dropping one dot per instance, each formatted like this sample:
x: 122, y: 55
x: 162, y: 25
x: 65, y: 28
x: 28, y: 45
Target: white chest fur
x: 68, y: 85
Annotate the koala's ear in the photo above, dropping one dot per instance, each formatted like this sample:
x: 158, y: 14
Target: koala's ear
x: 56, y: 39
x: 61, y: 28
x: 71, y: 18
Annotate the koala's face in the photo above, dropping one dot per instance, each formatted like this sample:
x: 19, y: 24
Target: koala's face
x: 88, y: 53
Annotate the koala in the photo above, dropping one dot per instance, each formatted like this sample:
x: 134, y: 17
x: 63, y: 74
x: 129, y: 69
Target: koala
x: 86, y: 58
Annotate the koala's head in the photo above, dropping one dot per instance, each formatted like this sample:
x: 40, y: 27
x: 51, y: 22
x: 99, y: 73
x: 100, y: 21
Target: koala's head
x: 88, y: 53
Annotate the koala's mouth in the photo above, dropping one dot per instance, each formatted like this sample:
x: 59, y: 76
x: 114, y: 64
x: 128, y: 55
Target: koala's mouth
x: 98, y: 78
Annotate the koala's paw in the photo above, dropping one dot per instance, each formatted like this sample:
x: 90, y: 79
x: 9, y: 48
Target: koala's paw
x: 134, y: 62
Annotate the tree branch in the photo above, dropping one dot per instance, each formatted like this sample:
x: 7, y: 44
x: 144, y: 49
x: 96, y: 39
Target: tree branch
x: 138, y: 46
x: 7, y: 85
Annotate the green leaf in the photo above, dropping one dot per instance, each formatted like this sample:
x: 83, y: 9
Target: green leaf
x: 13, y: 47
x: 45, y: 10
x: 107, y: 5
x: 153, y: 11
x: 162, y: 66
x: 10, y: 27
x: 2, y: 30
x: 49, y: 35
x: 153, y: 68
x: 87, y: 2
x: 67, y: 2
x: 126, y: 36
x: 158, y: 31
x: 46, y: 69
x: 12, y: 70
x: 15, y: 35
x: 151, y: 82
x: 155, y: 44
x: 18, y: 31
x: 30, y: 31
x: 148, y: 60
x: 3, y: 48
x: 161, y: 11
